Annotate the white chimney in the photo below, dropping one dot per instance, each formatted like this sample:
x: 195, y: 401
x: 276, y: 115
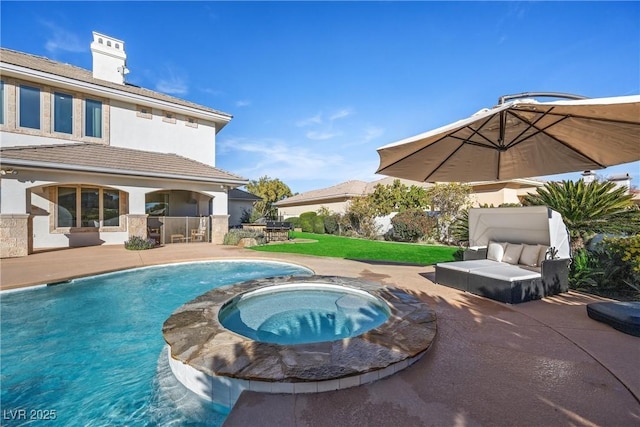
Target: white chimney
x: 621, y: 180
x: 109, y: 59
x: 588, y: 177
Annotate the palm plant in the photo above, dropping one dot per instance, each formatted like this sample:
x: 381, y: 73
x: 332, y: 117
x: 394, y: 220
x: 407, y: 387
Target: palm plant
x: 589, y: 208
x: 460, y: 228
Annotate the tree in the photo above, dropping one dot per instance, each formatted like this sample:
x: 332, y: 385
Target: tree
x: 450, y: 200
x: 397, y: 197
x: 271, y: 191
x: 587, y: 209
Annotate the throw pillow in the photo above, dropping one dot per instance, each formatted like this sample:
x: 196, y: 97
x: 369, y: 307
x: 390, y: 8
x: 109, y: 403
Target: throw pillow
x: 542, y: 255
x: 512, y: 253
x: 529, y: 255
x: 495, y: 251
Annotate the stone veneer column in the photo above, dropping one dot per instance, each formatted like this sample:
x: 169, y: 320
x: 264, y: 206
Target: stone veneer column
x: 219, y: 227
x: 137, y: 225
x: 14, y: 235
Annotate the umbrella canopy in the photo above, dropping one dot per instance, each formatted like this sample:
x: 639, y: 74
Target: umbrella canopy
x: 521, y: 138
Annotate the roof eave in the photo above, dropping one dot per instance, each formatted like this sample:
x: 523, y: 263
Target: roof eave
x: 123, y: 172
x: 329, y: 199
x: 12, y: 70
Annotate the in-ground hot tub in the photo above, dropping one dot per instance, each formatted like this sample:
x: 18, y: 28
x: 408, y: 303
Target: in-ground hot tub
x: 218, y: 363
x: 300, y: 313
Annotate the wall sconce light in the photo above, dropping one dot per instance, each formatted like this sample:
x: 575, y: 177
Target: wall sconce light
x: 9, y: 171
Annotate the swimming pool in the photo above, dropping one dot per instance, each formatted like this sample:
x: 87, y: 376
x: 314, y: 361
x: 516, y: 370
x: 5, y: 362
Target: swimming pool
x: 91, y: 351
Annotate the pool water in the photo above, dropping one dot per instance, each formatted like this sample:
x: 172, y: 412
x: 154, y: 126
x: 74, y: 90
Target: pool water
x: 91, y: 352
x: 304, y: 313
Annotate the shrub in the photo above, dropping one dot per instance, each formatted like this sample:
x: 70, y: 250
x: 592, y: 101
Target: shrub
x: 620, y: 260
x: 136, y: 243
x: 245, y: 218
x: 584, y: 273
x: 360, y: 219
x: 318, y: 224
x: 294, y: 221
x: 233, y: 237
x: 611, y: 268
x: 331, y: 224
x: 307, y: 220
x: 411, y: 226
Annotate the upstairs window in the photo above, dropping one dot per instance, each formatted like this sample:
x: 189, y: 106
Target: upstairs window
x: 168, y: 117
x: 191, y: 122
x: 29, y: 107
x: 144, y: 112
x: 93, y: 118
x: 62, y: 113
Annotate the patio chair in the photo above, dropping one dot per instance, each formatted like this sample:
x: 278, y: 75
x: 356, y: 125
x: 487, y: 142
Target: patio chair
x: 197, y: 235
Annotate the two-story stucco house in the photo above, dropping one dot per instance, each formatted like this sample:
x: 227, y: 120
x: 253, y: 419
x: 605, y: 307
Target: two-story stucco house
x: 88, y: 159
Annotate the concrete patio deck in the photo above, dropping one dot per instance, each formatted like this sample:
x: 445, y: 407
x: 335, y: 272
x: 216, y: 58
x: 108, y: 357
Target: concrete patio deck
x: 541, y: 363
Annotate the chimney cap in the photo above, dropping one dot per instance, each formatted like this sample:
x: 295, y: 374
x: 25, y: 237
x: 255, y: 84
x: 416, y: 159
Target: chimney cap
x: 102, y: 40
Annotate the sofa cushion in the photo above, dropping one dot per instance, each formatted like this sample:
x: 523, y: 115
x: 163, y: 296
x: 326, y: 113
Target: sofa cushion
x: 512, y: 253
x: 624, y: 316
x: 495, y: 251
x: 504, y: 272
x: 529, y: 255
x: 467, y: 266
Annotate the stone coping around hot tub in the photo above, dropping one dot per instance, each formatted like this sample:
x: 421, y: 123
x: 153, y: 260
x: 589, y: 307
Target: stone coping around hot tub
x: 197, y: 338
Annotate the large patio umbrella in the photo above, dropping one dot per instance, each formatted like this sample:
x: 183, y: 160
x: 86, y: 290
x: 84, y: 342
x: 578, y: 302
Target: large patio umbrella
x: 521, y: 138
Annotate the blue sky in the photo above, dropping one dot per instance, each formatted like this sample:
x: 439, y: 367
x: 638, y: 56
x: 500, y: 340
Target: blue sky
x: 316, y: 87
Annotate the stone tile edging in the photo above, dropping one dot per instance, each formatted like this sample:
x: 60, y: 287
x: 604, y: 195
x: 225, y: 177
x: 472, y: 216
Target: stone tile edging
x: 198, y: 340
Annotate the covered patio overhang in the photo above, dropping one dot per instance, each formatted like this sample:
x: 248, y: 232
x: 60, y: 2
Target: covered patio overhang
x: 30, y: 196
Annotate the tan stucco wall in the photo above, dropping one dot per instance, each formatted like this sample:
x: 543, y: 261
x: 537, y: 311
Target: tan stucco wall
x: 290, y: 211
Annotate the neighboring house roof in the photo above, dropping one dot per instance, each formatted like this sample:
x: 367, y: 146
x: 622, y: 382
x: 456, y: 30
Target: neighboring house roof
x: 42, y: 64
x: 389, y: 180
x: 343, y: 191
x: 99, y: 158
x: 237, y: 194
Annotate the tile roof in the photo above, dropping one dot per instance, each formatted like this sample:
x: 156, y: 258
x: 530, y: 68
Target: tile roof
x: 344, y: 190
x: 237, y: 194
x: 46, y: 65
x: 99, y: 158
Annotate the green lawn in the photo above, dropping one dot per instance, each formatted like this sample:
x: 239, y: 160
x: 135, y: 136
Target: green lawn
x: 361, y: 249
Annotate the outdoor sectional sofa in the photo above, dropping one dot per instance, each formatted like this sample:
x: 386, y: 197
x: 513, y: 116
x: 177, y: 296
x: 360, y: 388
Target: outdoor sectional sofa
x: 515, y: 255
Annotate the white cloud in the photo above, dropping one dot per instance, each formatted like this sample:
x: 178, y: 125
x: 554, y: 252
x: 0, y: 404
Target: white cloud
x: 372, y: 132
x: 322, y: 136
x: 323, y: 128
x: 172, y: 86
x: 62, y: 40
x: 340, y: 114
x: 314, y: 120
x: 301, y: 167
x: 319, y: 118
x: 172, y: 83
x: 243, y: 103
x: 214, y: 92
